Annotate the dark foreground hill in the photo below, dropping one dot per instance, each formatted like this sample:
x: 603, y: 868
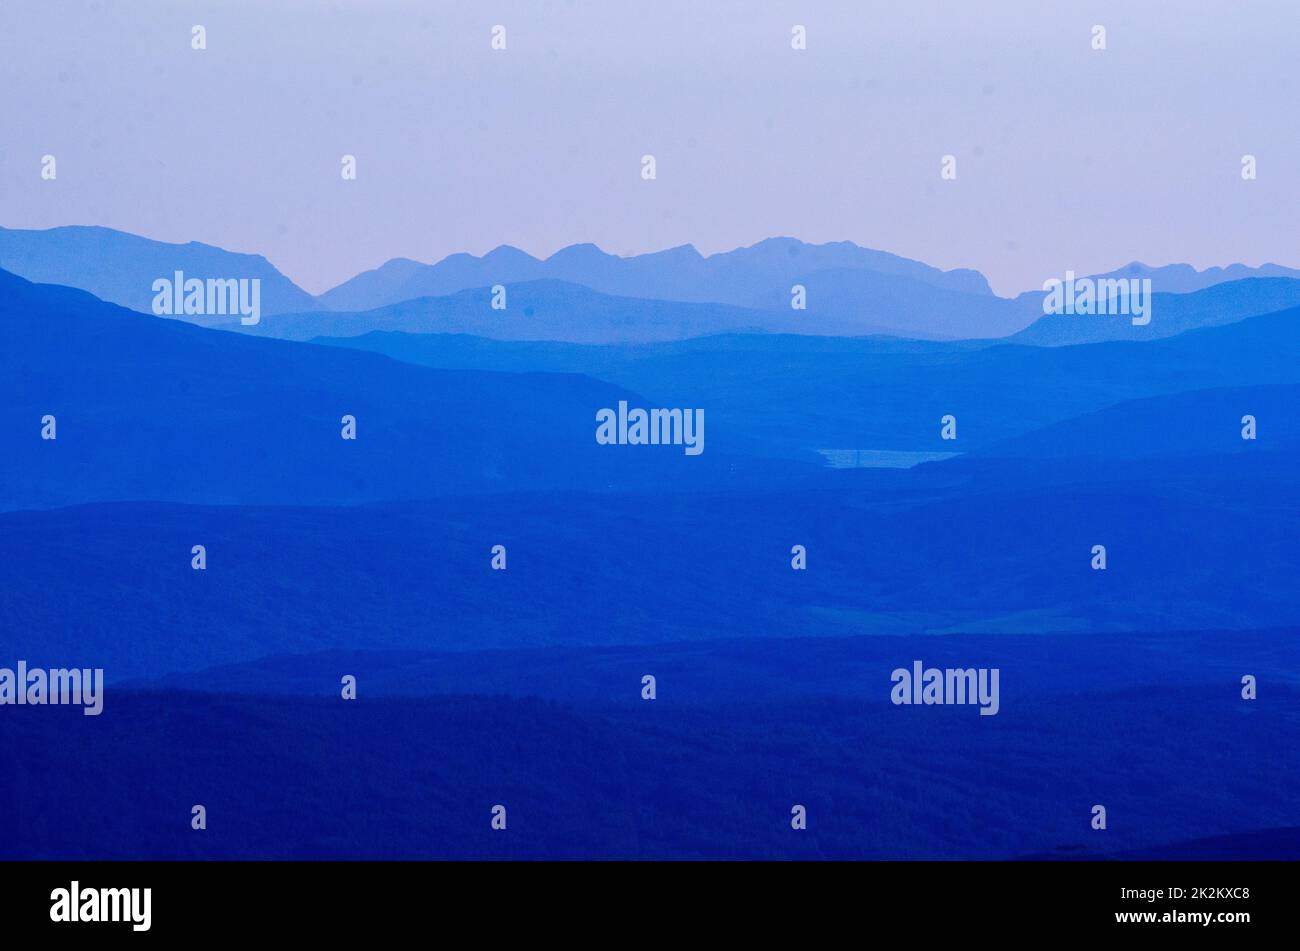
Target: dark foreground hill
x: 299, y: 778
x: 121, y: 268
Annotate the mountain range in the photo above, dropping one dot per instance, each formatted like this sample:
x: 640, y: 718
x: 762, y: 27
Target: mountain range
x: 371, y: 557
x: 742, y: 277
x: 160, y: 409
x: 583, y: 294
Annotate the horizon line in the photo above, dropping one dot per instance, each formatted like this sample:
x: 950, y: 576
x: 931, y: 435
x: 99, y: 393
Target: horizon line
x: 703, y: 255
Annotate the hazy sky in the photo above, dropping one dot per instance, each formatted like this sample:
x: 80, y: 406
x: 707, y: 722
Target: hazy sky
x: 1066, y: 157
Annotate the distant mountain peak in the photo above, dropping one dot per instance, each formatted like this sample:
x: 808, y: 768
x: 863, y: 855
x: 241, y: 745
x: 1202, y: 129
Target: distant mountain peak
x: 507, y: 251
x: 755, y: 277
x: 681, y: 251
x: 585, y: 250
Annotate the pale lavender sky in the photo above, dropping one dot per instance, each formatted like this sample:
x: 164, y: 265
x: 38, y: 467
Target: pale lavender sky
x: 1067, y: 158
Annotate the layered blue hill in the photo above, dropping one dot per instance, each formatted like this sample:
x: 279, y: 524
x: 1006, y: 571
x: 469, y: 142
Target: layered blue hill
x: 851, y: 302
x: 121, y: 268
x: 327, y: 557
x: 150, y: 408
x: 795, y: 395
x: 839, y: 303
x: 976, y: 544
x: 536, y: 310
x: 1172, y: 313
x: 1192, y: 423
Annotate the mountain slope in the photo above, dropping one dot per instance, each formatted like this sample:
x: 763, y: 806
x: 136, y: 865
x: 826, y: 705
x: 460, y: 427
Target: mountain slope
x: 795, y: 394
x: 845, y: 302
x: 840, y: 303
x: 121, y: 268
x: 1171, y: 314
x: 159, y: 409
x: 535, y: 310
x: 1191, y: 423
x: 989, y: 548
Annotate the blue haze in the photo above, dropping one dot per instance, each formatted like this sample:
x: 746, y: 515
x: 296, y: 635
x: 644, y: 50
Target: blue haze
x: 371, y: 558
